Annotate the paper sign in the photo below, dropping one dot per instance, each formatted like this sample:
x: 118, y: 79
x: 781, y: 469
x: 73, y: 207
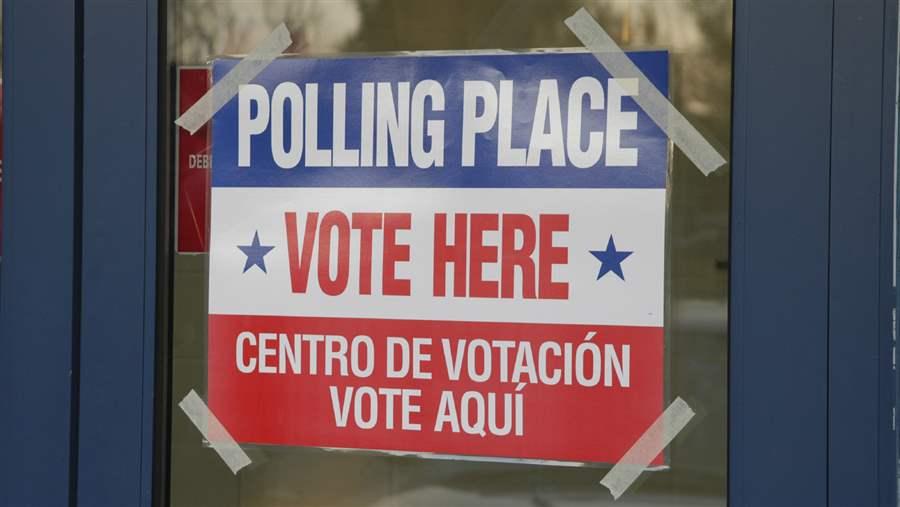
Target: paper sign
x: 193, y: 157
x: 1, y: 169
x: 439, y: 254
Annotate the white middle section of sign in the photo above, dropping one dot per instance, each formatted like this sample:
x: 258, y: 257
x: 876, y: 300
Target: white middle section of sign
x: 635, y: 218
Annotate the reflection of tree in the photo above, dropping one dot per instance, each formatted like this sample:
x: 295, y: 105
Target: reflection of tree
x: 204, y: 29
x: 317, y: 26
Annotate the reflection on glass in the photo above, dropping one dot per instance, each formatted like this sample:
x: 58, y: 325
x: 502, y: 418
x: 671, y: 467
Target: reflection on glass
x: 697, y: 33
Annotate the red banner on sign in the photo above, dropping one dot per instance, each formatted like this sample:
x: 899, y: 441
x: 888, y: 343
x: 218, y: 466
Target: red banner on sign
x: 193, y: 167
x: 549, y: 392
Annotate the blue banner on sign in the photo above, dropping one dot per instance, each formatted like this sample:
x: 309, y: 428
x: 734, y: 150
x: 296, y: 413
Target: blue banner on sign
x: 530, y: 120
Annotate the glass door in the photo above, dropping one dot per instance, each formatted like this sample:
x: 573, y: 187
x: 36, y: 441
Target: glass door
x: 597, y: 268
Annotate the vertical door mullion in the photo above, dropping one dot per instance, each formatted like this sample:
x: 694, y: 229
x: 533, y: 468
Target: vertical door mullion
x: 860, y: 391
x: 779, y: 244
x: 119, y: 246
x: 39, y: 272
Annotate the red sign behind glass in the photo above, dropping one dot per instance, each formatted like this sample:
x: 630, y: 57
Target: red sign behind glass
x: 192, y: 224
x: 1, y: 168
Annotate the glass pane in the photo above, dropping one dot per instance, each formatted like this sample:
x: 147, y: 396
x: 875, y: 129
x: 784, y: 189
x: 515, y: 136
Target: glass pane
x: 574, y: 429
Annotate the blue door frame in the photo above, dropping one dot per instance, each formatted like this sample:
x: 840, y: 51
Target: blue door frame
x: 77, y: 422
x: 811, y: 389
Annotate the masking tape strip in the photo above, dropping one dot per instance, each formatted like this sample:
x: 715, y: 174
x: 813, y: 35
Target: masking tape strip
x: 649, y: 98
x: 651, y: 443
x: 241, y: 74
x: 213, y: 431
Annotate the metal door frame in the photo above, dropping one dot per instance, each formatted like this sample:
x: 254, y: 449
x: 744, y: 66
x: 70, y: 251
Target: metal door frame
x: 811, y: 377
x: 811, y: 387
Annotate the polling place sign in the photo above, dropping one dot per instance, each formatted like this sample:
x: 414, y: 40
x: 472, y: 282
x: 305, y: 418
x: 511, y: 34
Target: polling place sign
x: 439, y: 254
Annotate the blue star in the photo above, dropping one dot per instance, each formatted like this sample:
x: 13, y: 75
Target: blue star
x: 255, y: 254
x: 611, y: 259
